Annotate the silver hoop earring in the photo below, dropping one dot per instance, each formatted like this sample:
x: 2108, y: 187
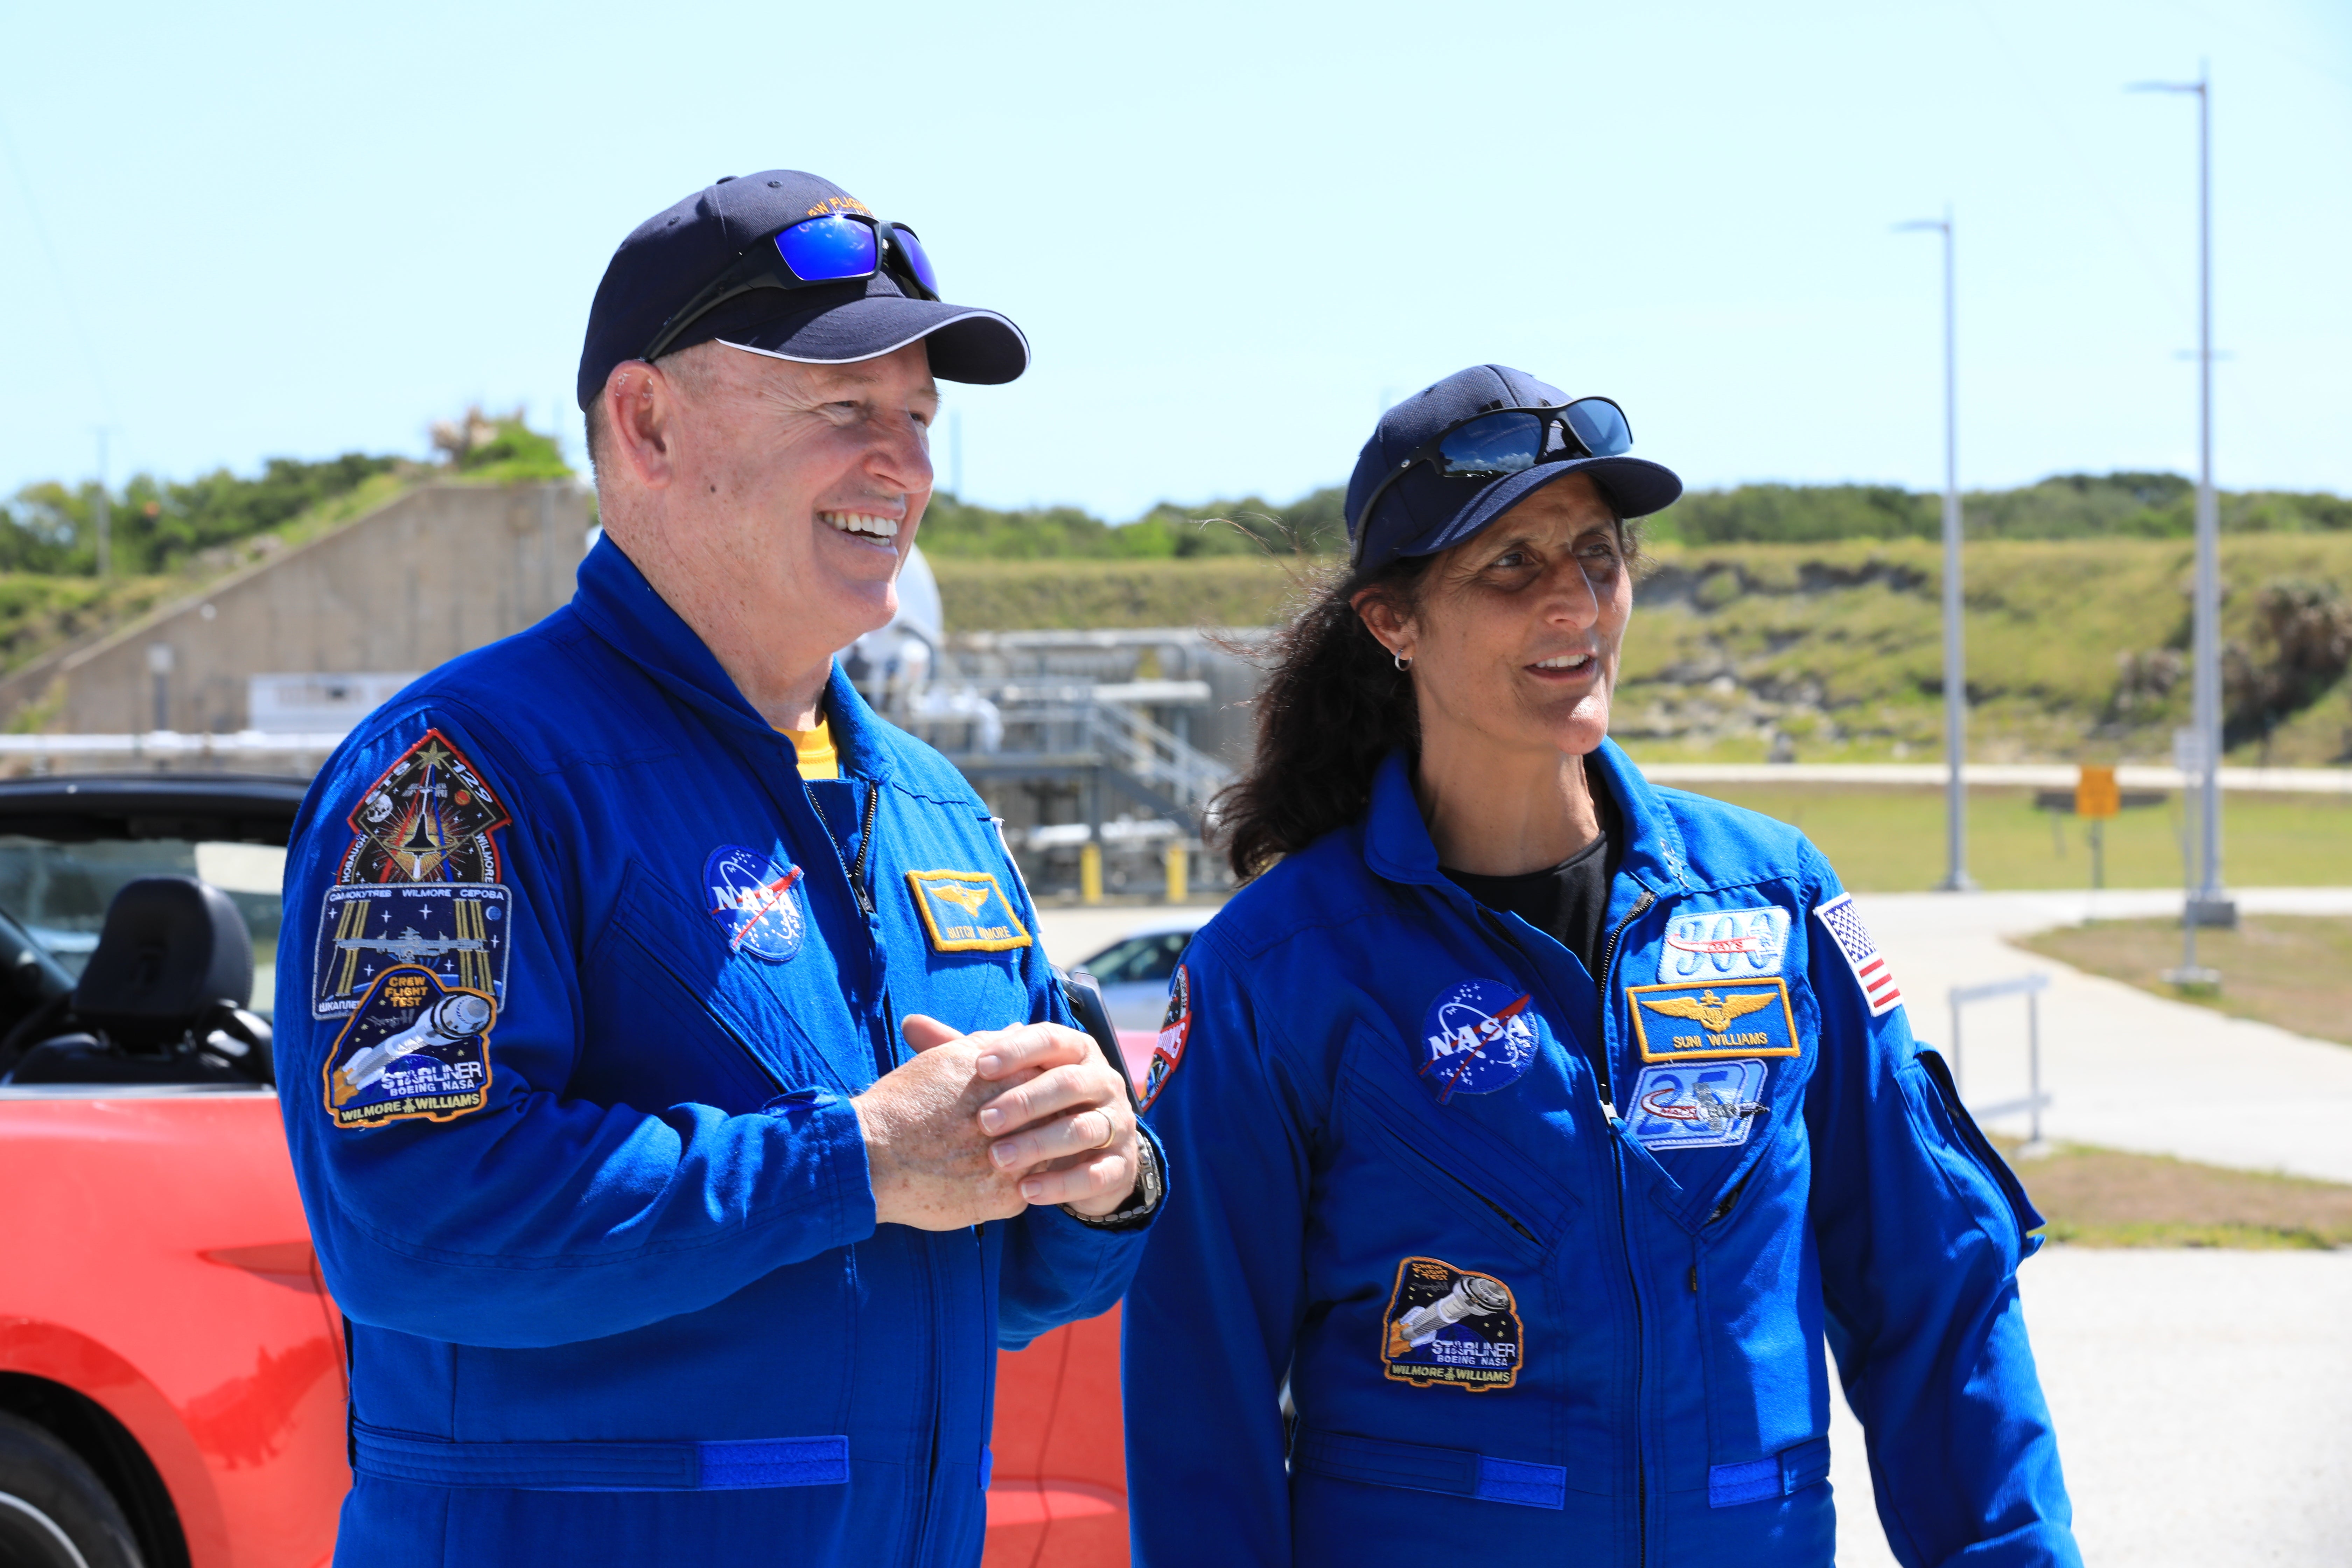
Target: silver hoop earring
x: 1402, y: 662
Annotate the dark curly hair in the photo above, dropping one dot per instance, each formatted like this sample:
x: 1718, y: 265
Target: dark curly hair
x: 1333, y: 705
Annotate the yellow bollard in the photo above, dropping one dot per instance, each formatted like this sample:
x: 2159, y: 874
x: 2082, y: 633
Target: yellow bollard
x: 1090, y: 874
x: 1179, y: 879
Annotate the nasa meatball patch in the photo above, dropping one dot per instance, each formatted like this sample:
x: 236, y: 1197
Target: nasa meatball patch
x: 416, y: 1050
x: 1477, y: 1036
x: 758, y: 903
x: 1450, y: 1326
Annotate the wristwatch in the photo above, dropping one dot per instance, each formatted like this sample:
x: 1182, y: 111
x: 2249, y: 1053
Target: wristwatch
x: 1140, y: 1202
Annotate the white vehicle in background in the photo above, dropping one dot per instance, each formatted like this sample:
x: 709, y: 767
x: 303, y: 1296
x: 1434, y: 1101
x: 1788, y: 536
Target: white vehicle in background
x: 1134, y: 970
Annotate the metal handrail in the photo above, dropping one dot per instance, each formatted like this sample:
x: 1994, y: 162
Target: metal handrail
x: 2030, y: 987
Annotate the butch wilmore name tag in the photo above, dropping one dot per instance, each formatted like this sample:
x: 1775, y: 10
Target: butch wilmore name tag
x: 1727, y: 1018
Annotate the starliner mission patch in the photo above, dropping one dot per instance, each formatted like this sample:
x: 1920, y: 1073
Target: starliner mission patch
x: 414, y: 1050
x: 457, y: 929
x: 1695, y: 1023
x: 1451, y: 1326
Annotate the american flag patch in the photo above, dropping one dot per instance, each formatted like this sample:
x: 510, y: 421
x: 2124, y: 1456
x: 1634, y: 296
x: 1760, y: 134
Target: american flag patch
x: 1861, y: 954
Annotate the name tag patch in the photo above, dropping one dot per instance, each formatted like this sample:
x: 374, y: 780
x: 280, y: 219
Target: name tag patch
x: 1724, y: 944
x: 1698, y: 1106
x: 414, y: 1050
x: 758, y: 902
x: 457, y: 931
x: 1450, y: 1326
x: 1476, y: 1038
x: 966, y: 911
x: 1695, y: 1023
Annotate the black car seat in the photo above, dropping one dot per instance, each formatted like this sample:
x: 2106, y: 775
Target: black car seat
x: 163, y: 1000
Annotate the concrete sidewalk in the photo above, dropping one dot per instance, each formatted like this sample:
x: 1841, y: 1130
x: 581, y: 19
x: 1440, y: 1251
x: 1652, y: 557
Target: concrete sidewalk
x: 2199, y: 1402
x: 2125, y: 1069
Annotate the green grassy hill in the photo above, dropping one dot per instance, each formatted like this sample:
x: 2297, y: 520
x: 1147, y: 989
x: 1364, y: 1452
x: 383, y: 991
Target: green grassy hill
x: 2076, y: 648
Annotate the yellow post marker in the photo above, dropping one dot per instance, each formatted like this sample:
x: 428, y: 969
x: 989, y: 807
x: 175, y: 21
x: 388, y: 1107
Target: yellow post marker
x: 1090, y: 873
x: 2097, y: 798
x: 2096, y: 795
x: 1180, y: 881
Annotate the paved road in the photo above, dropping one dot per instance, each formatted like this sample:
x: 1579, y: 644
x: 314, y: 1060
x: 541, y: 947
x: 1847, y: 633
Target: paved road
x: 2200, y: 1403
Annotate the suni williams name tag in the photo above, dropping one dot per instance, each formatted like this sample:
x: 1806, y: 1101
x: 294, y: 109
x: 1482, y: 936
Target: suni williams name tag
x: 1693, y: 1023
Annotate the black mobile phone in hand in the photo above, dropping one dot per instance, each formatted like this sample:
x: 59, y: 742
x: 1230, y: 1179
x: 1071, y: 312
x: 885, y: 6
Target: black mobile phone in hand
x: 1083, y: 992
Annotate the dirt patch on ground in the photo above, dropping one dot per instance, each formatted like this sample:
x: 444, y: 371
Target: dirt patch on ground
x: 2291, y: 971
x: 2104, y: 1197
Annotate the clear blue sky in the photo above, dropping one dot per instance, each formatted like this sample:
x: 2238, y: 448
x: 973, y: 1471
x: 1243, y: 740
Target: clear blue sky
x: 1227, y: 229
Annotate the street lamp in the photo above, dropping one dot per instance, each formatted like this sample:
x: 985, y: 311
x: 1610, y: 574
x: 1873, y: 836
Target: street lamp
x: 2208, y: 904
x: 1956, y: 686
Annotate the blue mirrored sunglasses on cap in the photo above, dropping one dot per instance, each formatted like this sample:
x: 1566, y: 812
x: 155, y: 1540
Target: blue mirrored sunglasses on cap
x: 838, y: 247
x: 1504, y: 441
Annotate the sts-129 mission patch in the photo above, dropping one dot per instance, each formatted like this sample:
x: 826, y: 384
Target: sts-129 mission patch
x: 457, y: 931
x: 414, y: 1050
x: 1452, y: 1326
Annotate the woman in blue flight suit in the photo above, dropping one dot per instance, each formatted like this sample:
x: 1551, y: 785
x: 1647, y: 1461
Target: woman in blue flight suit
x: 1540, y: 1122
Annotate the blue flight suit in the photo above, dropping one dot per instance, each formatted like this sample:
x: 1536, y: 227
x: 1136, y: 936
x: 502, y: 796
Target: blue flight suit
x: 577, y: 979
x: 1525, y: 1316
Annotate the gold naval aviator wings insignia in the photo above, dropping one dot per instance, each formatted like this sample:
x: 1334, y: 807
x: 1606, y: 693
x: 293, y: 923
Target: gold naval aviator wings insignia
x: 950, y: 904
x: 968, y: 899
x: 1712, y: 1013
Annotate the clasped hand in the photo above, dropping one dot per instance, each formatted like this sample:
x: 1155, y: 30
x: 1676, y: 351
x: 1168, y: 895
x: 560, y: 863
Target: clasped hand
x: 980, y: 1127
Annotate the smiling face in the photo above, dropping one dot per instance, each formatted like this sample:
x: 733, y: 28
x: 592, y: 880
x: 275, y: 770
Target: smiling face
x: 770, y: 503
x: 1515, y: 635
x: 804, y: 484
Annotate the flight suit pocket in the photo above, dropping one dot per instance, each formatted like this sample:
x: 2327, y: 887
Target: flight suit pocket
x: 726, y: 1039
x: 1959, y: 1130
x: 1471, y: 1175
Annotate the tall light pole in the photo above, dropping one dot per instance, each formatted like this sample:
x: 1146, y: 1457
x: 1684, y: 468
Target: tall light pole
x: 1956, y: 679
x: 2207, y: 903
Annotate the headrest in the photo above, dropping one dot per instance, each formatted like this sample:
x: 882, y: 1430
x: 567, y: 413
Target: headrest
x: 172, y: 949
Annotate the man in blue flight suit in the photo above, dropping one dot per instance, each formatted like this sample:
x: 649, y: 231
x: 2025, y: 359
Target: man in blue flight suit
x: 684, y: 1109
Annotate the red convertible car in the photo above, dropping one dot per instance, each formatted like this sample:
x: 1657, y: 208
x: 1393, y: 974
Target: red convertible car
x: 171, y: 1372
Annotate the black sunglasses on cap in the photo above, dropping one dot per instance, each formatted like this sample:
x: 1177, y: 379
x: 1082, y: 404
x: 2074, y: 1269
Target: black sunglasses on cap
x: 835, y: 248
x: 1503, y: 441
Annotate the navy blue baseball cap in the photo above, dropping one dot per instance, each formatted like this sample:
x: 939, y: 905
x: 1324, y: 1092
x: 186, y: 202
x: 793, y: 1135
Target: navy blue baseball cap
x: 669, y: 258
x: 1424, y: 511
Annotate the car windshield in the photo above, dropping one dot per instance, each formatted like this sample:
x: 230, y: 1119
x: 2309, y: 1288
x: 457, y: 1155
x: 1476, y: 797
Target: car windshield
x: 1139, y: 960
x: 59, y: 891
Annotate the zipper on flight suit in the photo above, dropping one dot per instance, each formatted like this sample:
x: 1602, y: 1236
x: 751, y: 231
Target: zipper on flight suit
x: 885, y: 1053
x: 1625, y: 1231
x: 1617, y: 1168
